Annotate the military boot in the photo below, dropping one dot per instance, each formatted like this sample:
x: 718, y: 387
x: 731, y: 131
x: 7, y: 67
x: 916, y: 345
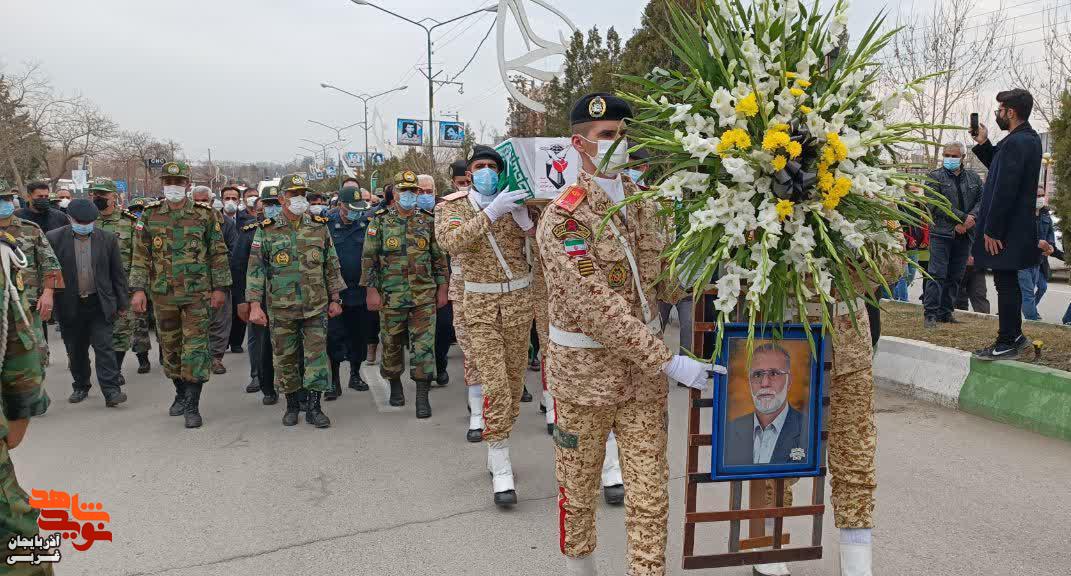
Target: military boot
x: 178, y: 407
x: 525, y: 395
x: 292, y: 408
x: 119, y: 356
x: 315, y: 415
x: 143, y: 363
x: 193, y: 404
x: 498, y: 464
x: 356, y: 382
x: 336, y: 386
x: 397, y: 396
x: 423, y: 407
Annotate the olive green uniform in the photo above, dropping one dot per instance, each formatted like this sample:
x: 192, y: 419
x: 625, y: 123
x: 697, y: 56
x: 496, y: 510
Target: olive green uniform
x: 42, y: 270
x: 121, y: 223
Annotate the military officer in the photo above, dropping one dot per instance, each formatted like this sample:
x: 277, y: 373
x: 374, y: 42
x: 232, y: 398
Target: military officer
x: 607, y: 364
x: 179, y: 259
x: 404, y: 273
x: 121, y: 223
x: 41, y: 277
x: 487, y: 230
x: 261, y: 369
x: 143, y: 323
x: 22, y: 396
x: 293, y: 263
x: 444, y: 316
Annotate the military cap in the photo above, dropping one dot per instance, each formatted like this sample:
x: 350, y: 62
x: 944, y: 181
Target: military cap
x: 175, y: 170
x: 481, y: 152
x: 82, y: 210
x: 103, y: 185
x: 138, y: 202
x: 293, y: 182
x: 405, y: 181
x: 269, y: 194
x: 459, y: 168
x: 599, y: 106
x: 350, y: 197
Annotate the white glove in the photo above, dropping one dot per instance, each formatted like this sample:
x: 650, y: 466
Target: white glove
x: 691, y: 373
x: 521, y: 217
x: 503, y: 204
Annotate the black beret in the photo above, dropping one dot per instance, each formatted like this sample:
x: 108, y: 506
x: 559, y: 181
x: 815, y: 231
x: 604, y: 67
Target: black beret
x: 599, y: 106
x: 459, y: 168
x: 82, y: 210
x: 481, y: 152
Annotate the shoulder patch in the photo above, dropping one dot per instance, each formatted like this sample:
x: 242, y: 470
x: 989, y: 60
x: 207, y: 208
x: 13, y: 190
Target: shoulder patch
x: 570, y: 198
x: 455, y: 196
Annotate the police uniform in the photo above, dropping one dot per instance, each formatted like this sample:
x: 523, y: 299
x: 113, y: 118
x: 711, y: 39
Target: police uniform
x: 140, y: 343
x: 606, y: 357
x: 179, y: 260
x: 403, y: 262
x: 293, y: 263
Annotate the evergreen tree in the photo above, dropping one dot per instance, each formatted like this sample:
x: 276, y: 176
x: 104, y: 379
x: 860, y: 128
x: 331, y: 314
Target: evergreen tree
x: 1060, y: 130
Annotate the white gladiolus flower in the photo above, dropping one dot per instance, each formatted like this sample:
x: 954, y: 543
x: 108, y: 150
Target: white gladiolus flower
x: 739, y: 169
x: 722, y: 103
x: 699, y: 147
x: 681, y: 113
x: 728, y: 293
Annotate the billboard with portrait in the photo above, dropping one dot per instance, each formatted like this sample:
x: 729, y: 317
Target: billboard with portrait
x: 410, y: 132
x: 354, y: 159
x: 451, y: 134
x: 768, y: 408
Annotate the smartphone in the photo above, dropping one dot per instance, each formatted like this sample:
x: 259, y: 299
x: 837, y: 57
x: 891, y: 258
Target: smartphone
x: 974, y: 123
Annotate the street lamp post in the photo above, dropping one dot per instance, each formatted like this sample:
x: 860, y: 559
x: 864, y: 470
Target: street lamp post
x: 431, y: 78
x: 338, y: 136
x: 364, y: 98
x: 322, y: 145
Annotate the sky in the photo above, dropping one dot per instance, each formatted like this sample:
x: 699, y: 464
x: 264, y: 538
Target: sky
x: 242, y: 77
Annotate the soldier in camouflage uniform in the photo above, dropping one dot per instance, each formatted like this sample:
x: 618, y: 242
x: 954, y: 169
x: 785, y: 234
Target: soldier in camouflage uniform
x: 41, y: 277
x: 121, y: 223
x: 143, y: 323
x: 293, y: 263
x: 21, y: 397
x: 404, y: 272
x: 179, y: 259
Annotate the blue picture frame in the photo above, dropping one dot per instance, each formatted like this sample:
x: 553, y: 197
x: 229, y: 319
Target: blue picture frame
x: 812, y: 464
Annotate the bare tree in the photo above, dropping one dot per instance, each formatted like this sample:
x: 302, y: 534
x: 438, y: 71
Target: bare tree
x: 962, y: 52
x: 143, y: 148
x: 19, y: 139
x: 72, y: 129
x: 1046, y: 77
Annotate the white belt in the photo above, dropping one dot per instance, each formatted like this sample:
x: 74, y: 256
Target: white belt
x: 578, y: 340
x: 498, y: 287
x: 814, y: 309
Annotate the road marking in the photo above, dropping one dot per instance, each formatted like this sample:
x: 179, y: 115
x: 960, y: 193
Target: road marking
x: 379, y: 388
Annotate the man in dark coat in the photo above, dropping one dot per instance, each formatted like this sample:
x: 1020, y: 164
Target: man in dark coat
x: 261, y: 369
x: 1006, y: 239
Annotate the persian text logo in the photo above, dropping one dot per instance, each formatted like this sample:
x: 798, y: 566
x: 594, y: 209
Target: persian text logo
x: 70, y: 517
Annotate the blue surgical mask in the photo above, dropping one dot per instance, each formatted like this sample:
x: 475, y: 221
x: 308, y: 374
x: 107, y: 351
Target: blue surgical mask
x: 426, y: 202
x: 407, y: 200
x: 272, y: 210
x: 82, y: 229
x: 485, y: 180
x: 635, y: 175
x: 952, y: 163
x: 7, y: 208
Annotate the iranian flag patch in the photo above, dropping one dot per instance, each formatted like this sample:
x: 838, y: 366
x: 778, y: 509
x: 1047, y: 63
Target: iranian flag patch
x: 575, y: 246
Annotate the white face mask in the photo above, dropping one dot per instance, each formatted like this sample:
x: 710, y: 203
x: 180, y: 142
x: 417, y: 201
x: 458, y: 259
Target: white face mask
x: 230, y: 206
x: 615, y: 160
x: 317, y: 209
x: 174, y: 193
x: 251, y: 202
x: 63, y: 203
x: 298, y: 205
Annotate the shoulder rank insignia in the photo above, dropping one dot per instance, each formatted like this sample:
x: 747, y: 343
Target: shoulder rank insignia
x: 251, y: 226
x: 455, y: 196
x: 130, y: 215
x: 381, y: 212
x: 266, y: 222
x: 8, y: 239
x: 320, y: 219
x: 570, y: 198
x: 203, y: 205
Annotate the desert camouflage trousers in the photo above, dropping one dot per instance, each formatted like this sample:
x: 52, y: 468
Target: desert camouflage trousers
x: 465, y: 343
x: 500, y: 353
x: 580, y: 447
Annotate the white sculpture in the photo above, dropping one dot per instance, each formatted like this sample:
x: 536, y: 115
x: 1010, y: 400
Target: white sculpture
x: 546, y: 48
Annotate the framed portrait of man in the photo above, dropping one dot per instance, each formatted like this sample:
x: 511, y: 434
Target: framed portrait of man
x: 768, y: 408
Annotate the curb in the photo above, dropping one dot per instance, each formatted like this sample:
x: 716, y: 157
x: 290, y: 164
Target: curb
x: 1027, y: 396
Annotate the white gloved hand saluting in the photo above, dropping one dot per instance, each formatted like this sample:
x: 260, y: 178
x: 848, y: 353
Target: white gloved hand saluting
x: 691, y: 373
x: 521, y: 216
x: 504, y: 203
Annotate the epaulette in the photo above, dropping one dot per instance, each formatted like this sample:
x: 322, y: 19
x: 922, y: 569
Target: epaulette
x: 455, y: 196
x: 428, y: 212
x: 381, y: 212
x: 570, y: 198
x: 250, y: 226
x: 130, y: 215
x: 203, y: 205
x: 8, y: 239
x: 266, y: 222
x: 320, y: 219
x: 152, y: 203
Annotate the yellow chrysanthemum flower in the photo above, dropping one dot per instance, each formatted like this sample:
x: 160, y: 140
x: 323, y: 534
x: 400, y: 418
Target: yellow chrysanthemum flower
x: 806, y: 109
x: 748, y: 105
x: 790, y: 75
x: 780, y: 127
x: 784, y: 209
x: 803, y: 83
x: 794, y: 149
x: 796, y: 92
x: 825, y: 181
x: 735, y: 138
x: 830, y: 201
x: 778, y: 162
x: 774, y: 139
x: 828, y: 156
x: 842, y: 186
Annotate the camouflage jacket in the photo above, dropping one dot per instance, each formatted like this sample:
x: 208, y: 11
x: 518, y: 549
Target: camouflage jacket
x: 402, y: 258
x: 295, y: 265
x: 21, y: 393
x: 42, y: 266
x: 121, y: 223
x: 591, y: 292
x: 179, y: 252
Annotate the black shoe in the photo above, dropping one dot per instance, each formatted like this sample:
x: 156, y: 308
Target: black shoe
x: 929, y: 323
x: 550, y: 429
x: 474, y: 435
x: 121, y: 380
x: 1003, y: 350
x: 397, y: 396
x: 293, y: 406
x: 314, y: 415
x: 193, y: 404
x: 507, y: 498
x: 443, y: 378
x: 178, y: 407
x: 534, y: 365
x: 542, y: 408
x: 119, y: 357
x: 78, y: 395
x: 336, y: 385
x: 525, y: 396
x: 949, y: 320
x: 236, y: 350
x: 269, y: 399
x: 143, y: 363
x: 253, y: 386
x: 614, y: 495
x: 356, y: 382
x: 423, y: 407
x: 114, y: 399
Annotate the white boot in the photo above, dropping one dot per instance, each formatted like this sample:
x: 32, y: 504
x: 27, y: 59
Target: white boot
x: 475, y: 433
x: 613, y: 490
x: 776, y: 568
x: 584, y: 566
x: 855, y: 560
x: 501, y: 470
x: 548, y: 402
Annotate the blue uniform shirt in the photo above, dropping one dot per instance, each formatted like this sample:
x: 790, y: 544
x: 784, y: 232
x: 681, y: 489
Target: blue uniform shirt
x: 349, y: 244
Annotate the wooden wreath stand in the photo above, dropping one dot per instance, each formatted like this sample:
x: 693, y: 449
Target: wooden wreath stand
x: 743, y: 551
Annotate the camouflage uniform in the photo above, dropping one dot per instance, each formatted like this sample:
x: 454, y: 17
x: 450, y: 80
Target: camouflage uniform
x: 542, y: 324
x: 143, y: 323
x: 42, y: 271
x: 497, y: 304
x: 295, y: 265
x: 403, y: 261
x: 457, y: 298
x: 620, y: 387
x: 21, y: 396
x: 179, y: 259
x: 121, y: 223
